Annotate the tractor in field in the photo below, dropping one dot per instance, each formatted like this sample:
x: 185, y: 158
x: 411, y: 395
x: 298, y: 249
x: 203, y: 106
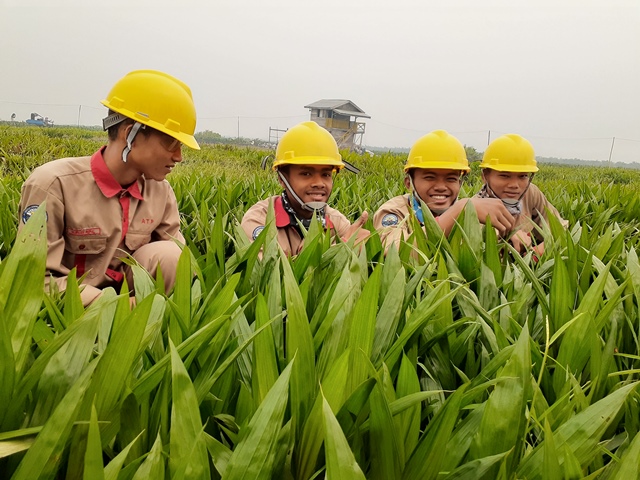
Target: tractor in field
x: 39, y: 121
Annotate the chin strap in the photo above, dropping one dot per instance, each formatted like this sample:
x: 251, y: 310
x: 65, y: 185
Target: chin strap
x: 309, y: 206
x: 132, y: 135
x: 513, y: 205
x: 306, y: 222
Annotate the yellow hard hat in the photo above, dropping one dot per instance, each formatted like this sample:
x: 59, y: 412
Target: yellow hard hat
x: 510, y: 153
x: 438, y: 150
x: 158, y: 100
x: 308, y: 144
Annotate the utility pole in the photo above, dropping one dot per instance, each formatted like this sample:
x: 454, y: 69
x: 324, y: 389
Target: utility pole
x: 79, y: 112
x: 238, y: 128
x: 489, y: 138
x: 611, y: 151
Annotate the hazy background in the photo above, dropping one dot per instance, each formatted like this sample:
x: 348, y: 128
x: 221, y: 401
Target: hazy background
x: 565, y: 74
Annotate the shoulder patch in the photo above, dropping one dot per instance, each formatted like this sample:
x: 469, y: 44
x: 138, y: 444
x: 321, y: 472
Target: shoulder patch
x: 389, y: 220
x: 257, y: 231
x: 27, y: 212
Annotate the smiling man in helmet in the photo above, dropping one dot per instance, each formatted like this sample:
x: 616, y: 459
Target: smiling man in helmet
x: 508, y: 166
x: 115, y: 203
x: 306, y: 158
x: 434, y: 170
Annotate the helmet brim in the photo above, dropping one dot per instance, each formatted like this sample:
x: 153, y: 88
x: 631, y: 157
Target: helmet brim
x: 185, y: 139
x: 332, y: 162
x: 511, y: 168
x: 438, y: 166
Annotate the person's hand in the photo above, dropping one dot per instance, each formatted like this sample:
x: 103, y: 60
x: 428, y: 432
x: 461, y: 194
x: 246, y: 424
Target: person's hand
x: 521, y: 241
x: 132, y: 302
x: 538, y: 250
x: 493, y: 208
x: 356, y: 229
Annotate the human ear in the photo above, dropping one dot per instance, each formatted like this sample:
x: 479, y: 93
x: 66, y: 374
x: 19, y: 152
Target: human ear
x: 123, y: 131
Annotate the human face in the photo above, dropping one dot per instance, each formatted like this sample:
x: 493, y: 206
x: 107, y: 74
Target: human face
x: 155, y: 153
x: 507, y: 185
x: 312, y: 183
x: 438, y: 188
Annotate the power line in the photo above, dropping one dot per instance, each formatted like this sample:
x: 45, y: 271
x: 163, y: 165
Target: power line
x: 554, y: 138
x: 44, y: 104
x: 246, y: 117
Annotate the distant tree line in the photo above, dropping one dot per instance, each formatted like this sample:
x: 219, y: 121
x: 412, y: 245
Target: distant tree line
x: 588, y: 163
x: 213, y: 137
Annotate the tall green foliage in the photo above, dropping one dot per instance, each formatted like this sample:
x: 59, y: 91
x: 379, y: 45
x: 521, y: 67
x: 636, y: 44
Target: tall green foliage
x: 447, y: 358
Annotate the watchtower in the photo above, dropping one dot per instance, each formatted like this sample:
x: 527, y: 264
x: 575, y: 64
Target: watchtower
x: 340, y: 117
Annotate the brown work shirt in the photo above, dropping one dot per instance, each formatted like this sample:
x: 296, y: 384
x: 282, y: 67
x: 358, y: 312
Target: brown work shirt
x: 534, y: 207
x: 253, y: 222
x: 93, y: 222
x: 391, y: 221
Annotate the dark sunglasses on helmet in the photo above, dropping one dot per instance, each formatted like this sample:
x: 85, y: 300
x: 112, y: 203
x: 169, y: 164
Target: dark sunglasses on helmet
x: 167, y: 141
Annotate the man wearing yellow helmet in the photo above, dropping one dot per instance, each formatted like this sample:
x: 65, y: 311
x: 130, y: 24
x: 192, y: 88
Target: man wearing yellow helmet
x: 115, y: 203
x: 508, y: 166
x: 306, y: 158
x: 433, y: 175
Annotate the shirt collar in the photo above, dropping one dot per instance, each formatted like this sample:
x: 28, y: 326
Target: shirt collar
x: 108, y: 185
x: 282, y: 216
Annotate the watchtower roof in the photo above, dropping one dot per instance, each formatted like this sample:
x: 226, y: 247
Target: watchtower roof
x: 340, y: 106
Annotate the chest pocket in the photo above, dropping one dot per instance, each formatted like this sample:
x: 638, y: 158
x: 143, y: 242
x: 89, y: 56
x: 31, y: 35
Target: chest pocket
x: 80, y: 245
x: 135, y: 239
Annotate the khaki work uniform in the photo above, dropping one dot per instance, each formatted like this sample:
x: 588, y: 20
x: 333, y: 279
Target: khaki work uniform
x: 391, y: 221
x: 534, y: 207
x: 289, y: 239
x: 93, y: 223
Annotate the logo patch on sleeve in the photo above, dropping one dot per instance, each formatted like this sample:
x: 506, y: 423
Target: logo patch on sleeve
x: 30, y: 210
x: 389, y: 220
x: 257, y: 231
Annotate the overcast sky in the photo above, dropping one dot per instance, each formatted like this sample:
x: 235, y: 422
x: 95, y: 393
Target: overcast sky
x: 563, y: 73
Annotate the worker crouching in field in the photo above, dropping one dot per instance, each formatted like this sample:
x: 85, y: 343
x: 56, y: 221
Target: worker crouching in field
x: 115, y: 203
x: 434, y: 170
x: 508, y: 166
x: 306, y: 160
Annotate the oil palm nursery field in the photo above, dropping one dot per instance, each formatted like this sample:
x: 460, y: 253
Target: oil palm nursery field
x: 448, y: 358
